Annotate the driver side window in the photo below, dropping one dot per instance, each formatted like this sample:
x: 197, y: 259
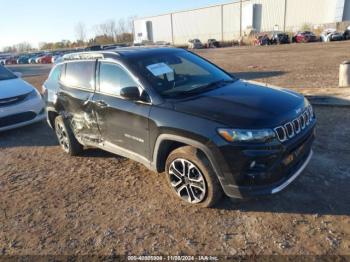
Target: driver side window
x: 113, y: 78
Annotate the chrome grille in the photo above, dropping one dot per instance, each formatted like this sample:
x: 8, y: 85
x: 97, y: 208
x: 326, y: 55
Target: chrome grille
x: 281, y: 133
x: 296, y: 126
x: 290, y: 130
x: 293, y: 128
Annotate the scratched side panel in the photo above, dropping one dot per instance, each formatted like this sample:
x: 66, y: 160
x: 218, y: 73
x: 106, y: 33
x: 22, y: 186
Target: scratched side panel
x: 78, y: 110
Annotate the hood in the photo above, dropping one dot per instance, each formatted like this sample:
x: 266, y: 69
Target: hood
x: 14, y: 87
x: 245, y: 105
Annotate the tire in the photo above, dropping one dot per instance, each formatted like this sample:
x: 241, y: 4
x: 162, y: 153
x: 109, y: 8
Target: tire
x: 203, y: 189
x: 66, y: 138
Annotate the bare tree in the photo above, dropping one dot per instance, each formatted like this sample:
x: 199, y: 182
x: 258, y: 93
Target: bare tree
x: 130, y: 23
x: 9, y: 49
x: 121, y: 26
x: 107, y: 29
x: 80, y: 32
x: 23, y: 47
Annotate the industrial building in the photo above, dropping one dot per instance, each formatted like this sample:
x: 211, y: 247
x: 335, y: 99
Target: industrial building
x: 226, y: 22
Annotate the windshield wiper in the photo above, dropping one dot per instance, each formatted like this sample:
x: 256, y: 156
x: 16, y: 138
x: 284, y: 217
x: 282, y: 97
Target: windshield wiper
x: 201, y: 89
x: 209, y: 86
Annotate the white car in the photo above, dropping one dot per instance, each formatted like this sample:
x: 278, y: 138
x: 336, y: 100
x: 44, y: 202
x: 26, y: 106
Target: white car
x: 32, y: 60
x: 195, y: 44
x: 37, y: 59
x: 55, y: 58
x: 20, y: 103
x: 329, y: 35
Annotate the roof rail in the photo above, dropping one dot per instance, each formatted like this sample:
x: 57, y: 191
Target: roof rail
x: 83, y: 56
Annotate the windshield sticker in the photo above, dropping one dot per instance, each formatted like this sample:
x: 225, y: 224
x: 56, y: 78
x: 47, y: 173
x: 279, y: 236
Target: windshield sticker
x: 161, y: 69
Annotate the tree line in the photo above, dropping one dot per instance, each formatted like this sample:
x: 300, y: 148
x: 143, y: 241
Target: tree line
x: 108, y: 32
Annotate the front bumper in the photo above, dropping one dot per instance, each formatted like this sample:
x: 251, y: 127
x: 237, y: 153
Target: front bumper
x: 255, y: 191
x: 281, y: 165
x: 21, y: 114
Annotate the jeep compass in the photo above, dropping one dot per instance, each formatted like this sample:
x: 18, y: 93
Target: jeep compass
x: 178, y: 114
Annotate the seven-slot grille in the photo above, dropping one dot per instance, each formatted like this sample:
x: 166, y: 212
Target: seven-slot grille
x: 293, y: 128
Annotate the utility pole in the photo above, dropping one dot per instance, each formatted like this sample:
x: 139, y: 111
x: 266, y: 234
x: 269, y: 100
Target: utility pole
x: 240, y: 17
x: 222, y: 22
x: 285, y: 15
x: 172, y: 28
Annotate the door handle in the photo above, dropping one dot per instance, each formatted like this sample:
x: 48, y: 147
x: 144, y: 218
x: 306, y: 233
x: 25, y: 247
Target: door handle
x: 101, y: 104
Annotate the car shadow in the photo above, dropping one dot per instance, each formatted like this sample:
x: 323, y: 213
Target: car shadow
x: 98, y: 153
x: 251, y: 75
x: 324, y: 100
x: 38, y: 134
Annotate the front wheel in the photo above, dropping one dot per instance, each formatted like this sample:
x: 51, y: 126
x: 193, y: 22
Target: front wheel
x: 66, y: 138
x: 191, y: 177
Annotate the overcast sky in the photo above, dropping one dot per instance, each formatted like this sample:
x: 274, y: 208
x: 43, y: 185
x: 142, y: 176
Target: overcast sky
x: 37, y: 21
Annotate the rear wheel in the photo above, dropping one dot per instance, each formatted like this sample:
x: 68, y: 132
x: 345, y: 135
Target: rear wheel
x: 66, y: 138
x: 191, y: 177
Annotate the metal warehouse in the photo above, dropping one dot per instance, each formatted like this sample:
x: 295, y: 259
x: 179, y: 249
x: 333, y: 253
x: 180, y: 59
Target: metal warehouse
x: 226, y: 22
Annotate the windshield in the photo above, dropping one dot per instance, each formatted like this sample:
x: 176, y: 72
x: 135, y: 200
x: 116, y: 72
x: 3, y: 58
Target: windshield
x: 180, y: 73
x: 6, y: 74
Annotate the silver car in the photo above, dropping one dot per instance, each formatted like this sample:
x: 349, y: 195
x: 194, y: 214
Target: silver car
x: 20, y: 103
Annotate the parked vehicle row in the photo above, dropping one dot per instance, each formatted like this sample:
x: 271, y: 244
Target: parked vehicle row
x: 27, y: 59
x: 197, y: 44
x: 273, y: 38
x: 33, y: 58
x: 52, y: 57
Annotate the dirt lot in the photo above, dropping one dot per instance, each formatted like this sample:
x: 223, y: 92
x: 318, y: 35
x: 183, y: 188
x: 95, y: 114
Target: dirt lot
x: 291, y: 66
x: 99, y: 203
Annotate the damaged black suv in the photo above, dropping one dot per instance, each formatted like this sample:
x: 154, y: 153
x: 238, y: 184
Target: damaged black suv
x: 177, y: 113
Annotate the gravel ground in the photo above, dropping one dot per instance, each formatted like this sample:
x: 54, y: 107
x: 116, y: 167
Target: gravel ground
x: 104, y: 204
x: 313, y: 65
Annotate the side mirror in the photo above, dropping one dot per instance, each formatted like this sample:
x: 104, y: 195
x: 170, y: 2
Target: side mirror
x: 130, y: 93
x: 18, y: 74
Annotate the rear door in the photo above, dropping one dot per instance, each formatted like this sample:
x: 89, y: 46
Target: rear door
x: 123, y: 123
x: 77, y: 86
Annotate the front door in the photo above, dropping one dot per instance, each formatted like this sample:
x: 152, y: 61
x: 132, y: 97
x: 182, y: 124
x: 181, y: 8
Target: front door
x: 123, y: 123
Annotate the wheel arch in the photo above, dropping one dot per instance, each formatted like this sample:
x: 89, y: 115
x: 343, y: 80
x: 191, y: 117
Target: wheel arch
x: 51, y: 116
x: 166, y: 143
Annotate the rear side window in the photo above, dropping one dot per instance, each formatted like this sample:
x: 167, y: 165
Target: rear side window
x: 113, y: 78
x: 80, y: 74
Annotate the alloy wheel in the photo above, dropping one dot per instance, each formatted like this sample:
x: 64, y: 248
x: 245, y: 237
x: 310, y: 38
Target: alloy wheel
x: 187, y: 181
x: 62, y: 137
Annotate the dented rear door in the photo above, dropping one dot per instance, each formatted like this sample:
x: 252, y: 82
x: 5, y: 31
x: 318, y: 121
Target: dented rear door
x: 76, y: 93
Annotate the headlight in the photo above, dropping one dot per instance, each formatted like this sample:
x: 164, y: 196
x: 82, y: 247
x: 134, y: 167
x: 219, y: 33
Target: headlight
x: 242, y: 135
x: 309, y: 108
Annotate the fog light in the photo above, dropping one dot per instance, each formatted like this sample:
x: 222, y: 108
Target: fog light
x: 251, y: 175
x: 252, y: 165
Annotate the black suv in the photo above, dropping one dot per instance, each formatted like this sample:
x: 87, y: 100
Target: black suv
x: 177, y: 113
